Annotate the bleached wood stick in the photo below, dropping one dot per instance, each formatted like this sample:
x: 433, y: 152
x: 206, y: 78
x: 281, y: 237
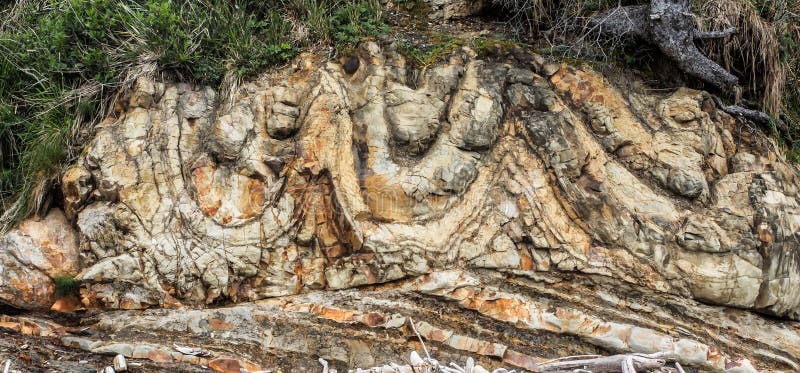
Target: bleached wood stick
x: 606, y: 364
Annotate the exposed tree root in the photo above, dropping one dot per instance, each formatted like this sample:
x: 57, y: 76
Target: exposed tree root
x: 671, y: 26
x: 758, y: 117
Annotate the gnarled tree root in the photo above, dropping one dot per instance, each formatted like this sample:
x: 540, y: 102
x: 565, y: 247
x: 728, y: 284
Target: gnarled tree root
x: 671, y: 26
x: 758, y: 117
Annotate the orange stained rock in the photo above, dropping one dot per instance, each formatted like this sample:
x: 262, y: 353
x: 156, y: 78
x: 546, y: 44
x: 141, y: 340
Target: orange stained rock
x: 506, y: 309
x: 209, y: 201
x: 252, y: 199
x: 765, y: 235
x: 335, y: 314
x: 220, y: 325
x: 372, y: 319
x: 387, y: 200
x: 232, y: 365
x: 159, y: 356
x: 521, y: 360
x: 66, y: 304
x: 31, y: 327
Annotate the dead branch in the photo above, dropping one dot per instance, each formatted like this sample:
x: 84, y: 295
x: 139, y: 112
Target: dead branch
x: 414, y: 328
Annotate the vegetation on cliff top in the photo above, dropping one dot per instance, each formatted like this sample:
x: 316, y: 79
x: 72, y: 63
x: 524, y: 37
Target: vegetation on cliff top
x: 764, y: 52
x: 62, y: 62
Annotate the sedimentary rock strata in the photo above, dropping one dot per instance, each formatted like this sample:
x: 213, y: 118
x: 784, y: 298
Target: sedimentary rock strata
x: 531, y: 186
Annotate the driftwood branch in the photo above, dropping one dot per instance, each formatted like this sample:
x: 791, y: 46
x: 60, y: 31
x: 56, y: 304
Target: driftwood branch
x: 626, y: 363
x: 669, y: 25
x: 608, y: 364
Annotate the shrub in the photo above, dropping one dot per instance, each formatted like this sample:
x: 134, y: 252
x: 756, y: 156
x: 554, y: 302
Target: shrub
x: 354, y: 21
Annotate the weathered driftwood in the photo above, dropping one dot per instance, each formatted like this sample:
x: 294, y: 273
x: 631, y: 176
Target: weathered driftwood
x: 629, y: 363
x: 669, y: 25
x: 625, y: 363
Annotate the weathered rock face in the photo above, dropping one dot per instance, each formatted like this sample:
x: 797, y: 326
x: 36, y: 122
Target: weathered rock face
x: 497, y: 186
x: 32, y: 256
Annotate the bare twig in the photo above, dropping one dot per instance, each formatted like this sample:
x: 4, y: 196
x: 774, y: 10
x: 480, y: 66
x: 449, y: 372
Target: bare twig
x: 627, y: 365
x: 414, y: 328
x: 469, y: 365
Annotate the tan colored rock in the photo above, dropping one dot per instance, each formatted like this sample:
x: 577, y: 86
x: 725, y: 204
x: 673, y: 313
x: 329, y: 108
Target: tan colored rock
x: 562, y: 319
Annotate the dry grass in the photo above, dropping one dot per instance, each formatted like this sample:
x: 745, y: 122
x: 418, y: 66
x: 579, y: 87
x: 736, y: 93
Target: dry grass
x: 754, y: 52
x: 530, y: 13
x: 764, y: 53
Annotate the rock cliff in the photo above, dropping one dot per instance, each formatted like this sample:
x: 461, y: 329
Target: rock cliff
x: 516, y: 210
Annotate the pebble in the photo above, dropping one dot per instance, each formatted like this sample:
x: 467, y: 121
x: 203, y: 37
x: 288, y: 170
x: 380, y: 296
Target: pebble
x: 120, y: 365
x: 551, y: 68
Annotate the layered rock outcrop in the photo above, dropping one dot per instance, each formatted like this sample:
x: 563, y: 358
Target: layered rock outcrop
x: 546, y: 199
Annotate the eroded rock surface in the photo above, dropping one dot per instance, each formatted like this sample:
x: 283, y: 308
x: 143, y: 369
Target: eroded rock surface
x: 33, y: 256
x: 314, y: 180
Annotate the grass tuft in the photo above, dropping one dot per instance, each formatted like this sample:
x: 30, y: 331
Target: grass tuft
x: 437, y: 47
x: 67, y: 285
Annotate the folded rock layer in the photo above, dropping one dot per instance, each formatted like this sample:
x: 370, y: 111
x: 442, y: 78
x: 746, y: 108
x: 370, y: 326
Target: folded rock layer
x: 546, y: 199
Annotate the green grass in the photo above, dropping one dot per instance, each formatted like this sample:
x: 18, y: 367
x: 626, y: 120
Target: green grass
x: 437, y: 47
x: 67, y: 285
x: 489, y: 46
x: 62, y: 61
